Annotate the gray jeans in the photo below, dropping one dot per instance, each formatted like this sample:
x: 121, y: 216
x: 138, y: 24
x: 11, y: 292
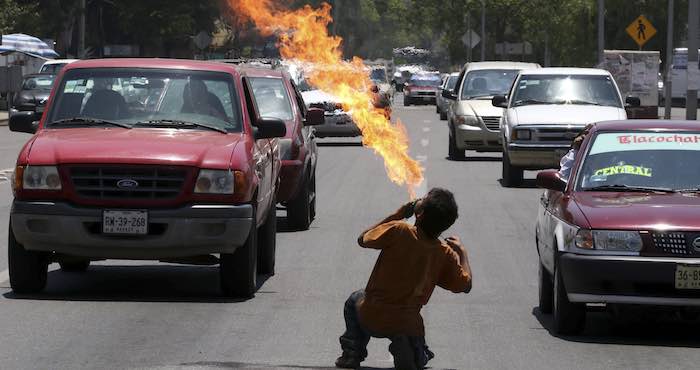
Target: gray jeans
x: 409, y: 352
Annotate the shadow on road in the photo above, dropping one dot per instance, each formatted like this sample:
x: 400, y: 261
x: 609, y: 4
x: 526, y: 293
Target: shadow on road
x: 137, y: 283
x: 649, y: 329
x: 527, y: 184
x: 475, y: 159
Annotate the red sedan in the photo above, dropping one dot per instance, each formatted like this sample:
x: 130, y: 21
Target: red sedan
x: 624, y: 229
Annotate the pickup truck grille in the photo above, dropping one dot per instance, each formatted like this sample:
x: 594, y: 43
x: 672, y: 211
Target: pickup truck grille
x: 556, y: 134
x: 152, y: 183
x: 492, y: 123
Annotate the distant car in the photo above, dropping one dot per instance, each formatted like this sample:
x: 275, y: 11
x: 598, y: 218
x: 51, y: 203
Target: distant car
x: 474, y: 124
x: 31, y: 100
x: 546, y: 108
x: 276, y: 96
x: 338, y: 122
x: 443, y: 104
x: 54, y: 66
x: 623, y: 229
x: 421, y: 87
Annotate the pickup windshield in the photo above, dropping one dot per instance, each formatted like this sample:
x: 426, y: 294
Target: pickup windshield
x: 485, y: 83
x: 138, y: 97
x: 566, y: 89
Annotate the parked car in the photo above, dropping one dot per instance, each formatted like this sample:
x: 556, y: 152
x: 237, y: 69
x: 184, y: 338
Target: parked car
x: 474, y: 124
x: 191, y: 178
x: 443, y: 104
x: 28, y: 104
x: 623, y: 230
x: 277, y: 97
x: 546, y: 108
x: 54, y: 66
x: 421, y: 87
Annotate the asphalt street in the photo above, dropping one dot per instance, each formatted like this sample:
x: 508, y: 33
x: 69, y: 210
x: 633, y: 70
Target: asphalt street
x: 122, y: 314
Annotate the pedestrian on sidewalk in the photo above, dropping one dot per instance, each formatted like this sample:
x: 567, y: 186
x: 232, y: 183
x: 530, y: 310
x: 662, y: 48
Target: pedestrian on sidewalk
x: 412, y: 261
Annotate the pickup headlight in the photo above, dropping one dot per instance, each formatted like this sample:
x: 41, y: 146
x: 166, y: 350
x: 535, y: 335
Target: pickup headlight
x: 38, y: 178
x: 214, y: 182
x: 467, y: 120
x: 609, y: 240
x: 521, y: 134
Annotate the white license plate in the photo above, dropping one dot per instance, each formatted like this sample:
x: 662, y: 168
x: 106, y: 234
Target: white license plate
x: 125, y: 222
x: 687, y: 277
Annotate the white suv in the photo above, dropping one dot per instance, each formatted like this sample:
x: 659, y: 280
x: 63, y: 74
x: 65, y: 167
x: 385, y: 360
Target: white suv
x: 546, y: 108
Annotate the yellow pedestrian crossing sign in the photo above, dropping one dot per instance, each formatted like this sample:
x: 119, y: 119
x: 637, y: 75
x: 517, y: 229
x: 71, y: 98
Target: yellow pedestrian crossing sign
x: 641, y: 30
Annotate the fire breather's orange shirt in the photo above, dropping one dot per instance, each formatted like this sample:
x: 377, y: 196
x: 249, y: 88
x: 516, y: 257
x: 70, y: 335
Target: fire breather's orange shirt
x: 409, y: 267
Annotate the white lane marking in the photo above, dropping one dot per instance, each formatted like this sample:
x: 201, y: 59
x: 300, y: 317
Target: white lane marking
x: 426, y: 129
x: 424, y: 142
x: 426, y: 121
x: 4, y: 276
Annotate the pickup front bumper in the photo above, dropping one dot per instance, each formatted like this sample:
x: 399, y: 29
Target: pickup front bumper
x: 536, y: 156
x: 181, y: 232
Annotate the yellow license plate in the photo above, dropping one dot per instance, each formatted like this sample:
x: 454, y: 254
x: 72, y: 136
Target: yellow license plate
x: 687, y: 277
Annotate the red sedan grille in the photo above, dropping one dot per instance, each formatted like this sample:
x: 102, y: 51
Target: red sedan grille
x: 674, y: 243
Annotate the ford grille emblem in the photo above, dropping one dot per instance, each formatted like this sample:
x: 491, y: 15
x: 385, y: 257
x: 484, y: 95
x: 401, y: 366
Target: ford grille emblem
x: 696, y: 243
x: 127, y: 184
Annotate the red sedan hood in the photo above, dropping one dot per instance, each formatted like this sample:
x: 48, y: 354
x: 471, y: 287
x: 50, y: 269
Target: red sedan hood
x: 198, y: 148
x: 640, y: 211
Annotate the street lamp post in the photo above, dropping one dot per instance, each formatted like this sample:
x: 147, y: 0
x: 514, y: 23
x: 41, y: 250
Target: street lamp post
x: 601, y: 30
x: 691, y: 97
x: 668, y: 93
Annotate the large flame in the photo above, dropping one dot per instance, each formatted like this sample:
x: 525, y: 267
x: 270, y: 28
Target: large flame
x: 303, y: 36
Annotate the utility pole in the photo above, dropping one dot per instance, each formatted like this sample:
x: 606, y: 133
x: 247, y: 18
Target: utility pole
x: 469, y: 31
x: 601, y: 30
x: 81, y: 30
x: 691, y: 98
x: 668, y: 93
x: 483, y: 30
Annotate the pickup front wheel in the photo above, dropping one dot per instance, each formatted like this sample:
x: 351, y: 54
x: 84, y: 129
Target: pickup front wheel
x: 267, y: 241
x: 299, y: 209
x: 512, y: 176
x: 238, y: 271
x: 28, y: 269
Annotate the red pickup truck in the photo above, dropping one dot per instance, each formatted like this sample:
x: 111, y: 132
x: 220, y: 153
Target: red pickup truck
x: 147, y: 159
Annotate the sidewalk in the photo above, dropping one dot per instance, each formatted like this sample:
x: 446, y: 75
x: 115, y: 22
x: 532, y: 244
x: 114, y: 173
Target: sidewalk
x: 3, y: 118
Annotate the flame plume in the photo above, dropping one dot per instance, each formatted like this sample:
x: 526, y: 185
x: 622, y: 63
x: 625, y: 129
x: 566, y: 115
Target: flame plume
x: 303, y: 36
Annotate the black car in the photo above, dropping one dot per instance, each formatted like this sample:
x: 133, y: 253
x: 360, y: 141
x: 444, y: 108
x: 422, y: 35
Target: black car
x: 31, y: 100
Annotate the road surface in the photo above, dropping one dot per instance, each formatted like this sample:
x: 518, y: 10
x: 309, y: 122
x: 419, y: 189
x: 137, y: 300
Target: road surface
x: 158, y: 316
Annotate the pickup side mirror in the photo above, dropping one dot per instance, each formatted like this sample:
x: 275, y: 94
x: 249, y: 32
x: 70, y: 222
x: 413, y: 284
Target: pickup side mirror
x: 268, y: 128
x: 632, y: 102
x: 449, y: 94
x: 551, y: 179
x: 314, y: 117
x: 499, y: 101
x: 23, y: 123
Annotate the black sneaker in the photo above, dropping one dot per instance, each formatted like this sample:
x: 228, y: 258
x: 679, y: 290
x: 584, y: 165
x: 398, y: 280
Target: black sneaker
x: 347, y: 362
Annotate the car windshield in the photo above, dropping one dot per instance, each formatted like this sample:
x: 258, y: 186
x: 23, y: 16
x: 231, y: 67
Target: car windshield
x: 52, y: 68
x: 643, y: 160
x: 451, y: 82
x: 271, y: 97
x: 566, y: 89
x: 38, y: 82
x: 425, y: 81
x: 484, y: 83
x: 148, y: 96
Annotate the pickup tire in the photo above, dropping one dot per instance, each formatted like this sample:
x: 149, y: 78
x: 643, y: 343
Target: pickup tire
x: 569, y: 318
x: 512, y: 176
x: 443, y: 116
x: 28, y: 269
x: 299, y: 208
x: 406, y: 101
x: 74, y: 266
x: 238, y: 271
x: 313, y: 196
x: 267, y: 242
x: 453, y: 152
x: 437, y: 108
x: 546, y: 290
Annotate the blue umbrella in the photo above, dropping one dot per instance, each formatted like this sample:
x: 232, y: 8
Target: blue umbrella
x: 26, y: 44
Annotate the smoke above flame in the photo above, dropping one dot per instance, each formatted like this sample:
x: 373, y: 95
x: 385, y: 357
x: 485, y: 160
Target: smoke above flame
x: 303, y: 36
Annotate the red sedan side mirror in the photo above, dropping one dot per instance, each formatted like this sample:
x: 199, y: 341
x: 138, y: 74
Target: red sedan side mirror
x: 551, y: 180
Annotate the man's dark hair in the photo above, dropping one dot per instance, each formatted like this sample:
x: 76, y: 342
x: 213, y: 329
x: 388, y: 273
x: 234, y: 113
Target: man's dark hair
x: 439, y: 211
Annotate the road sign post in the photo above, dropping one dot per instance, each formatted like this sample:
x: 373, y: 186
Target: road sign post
x: 641, y: 30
